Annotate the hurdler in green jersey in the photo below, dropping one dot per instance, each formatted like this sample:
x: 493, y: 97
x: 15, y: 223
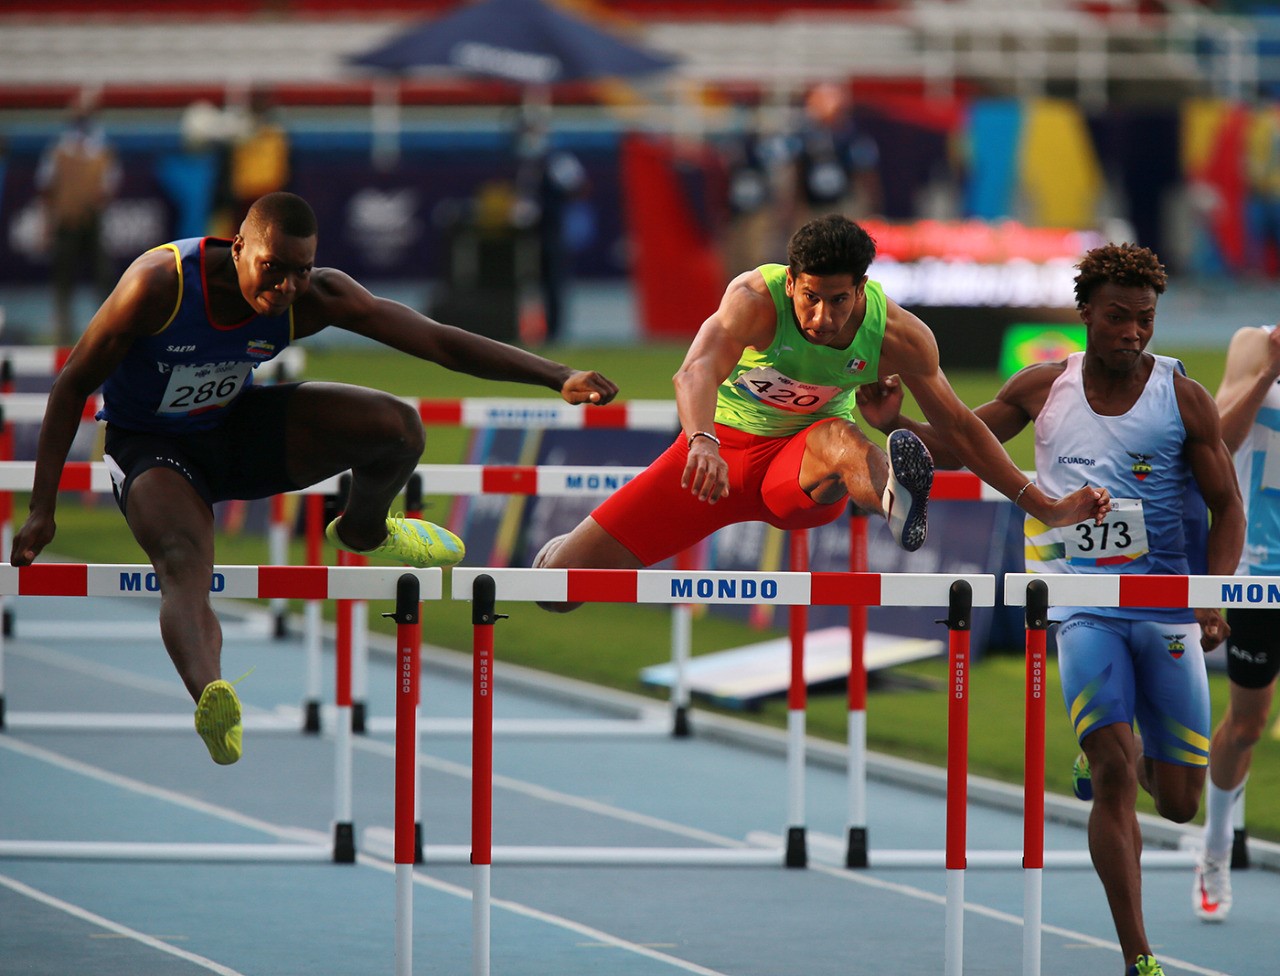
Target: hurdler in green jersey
x: 765, y: 396
x: 792, y: 383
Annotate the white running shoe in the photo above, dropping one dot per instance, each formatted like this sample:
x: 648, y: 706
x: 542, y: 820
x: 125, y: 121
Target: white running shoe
x: 1211, y: 896
x: 906, y: 496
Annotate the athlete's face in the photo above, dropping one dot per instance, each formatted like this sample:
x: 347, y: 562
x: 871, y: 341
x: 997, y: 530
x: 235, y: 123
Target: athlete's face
x: 1120, y: 320
x: 823, y: 303
x: 274, y: 269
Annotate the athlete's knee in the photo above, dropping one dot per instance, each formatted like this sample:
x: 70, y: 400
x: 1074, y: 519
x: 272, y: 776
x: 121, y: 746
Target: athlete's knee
x: 1243, y: 731
x: 1178, y: 805
x: 403, y: 427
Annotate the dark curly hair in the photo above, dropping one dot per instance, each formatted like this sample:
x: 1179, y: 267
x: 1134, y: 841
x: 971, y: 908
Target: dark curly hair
x: 831, y: 245
x: 1122, y: 264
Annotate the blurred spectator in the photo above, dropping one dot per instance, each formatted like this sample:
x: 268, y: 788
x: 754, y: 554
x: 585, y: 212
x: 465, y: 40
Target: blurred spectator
x: 835, y: 163
x: 77, y: 178
x: 755, y: 227
x: 1263, y: 159
x: 256, y: 161
x: 551, y: 186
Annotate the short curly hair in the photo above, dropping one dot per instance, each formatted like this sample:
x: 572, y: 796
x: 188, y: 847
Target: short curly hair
x: 1122, y: 264
x: 830, y: 245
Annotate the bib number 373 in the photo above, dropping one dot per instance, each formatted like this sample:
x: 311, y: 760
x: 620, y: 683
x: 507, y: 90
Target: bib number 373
x: 1121, y: 538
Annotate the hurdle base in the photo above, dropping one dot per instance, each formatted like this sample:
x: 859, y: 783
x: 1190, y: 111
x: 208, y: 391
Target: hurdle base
x: 1240, y: 850
x: 797, y: 854
x: 359, y: 723
x: 855, y: 855
x: 311, y: 723
x: 281, y: 629
x: 680, y: 727
x: 344, y: 843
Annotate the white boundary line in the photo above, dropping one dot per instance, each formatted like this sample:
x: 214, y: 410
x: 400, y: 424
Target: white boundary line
x: 151, y: 942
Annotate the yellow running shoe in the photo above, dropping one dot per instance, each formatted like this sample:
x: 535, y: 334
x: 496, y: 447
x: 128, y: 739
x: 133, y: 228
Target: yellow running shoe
x: 413, y: 541
x: 218, y: 722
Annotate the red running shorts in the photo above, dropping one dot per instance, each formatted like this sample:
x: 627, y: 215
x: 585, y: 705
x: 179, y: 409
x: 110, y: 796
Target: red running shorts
x: 654, y: 518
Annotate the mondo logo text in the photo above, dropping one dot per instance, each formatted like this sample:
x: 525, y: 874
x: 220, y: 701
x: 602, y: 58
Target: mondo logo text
x: 150, y: 583
x: 724, y: 589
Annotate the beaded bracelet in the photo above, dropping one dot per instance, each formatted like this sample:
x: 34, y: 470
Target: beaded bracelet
x: 703, y: 433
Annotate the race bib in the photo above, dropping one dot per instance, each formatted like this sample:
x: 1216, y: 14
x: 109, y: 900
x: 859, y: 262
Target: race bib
x: 767, y: 385
x: 1121, y: 538
x: 194, y: 388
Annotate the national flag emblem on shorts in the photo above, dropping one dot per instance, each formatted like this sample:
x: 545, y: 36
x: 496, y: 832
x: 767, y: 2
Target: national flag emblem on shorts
x: 1176, y: 647
x: 855, y: 365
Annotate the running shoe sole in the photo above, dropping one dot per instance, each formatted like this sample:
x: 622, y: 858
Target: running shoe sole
x: 218, y: 722
x: 910, y: 477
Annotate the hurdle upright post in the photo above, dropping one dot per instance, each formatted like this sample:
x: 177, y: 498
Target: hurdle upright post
x: 408, y: 620
x: 314, y: 515
x: 1037, y: 616
x: 681, y: 651
x: 483, y: 617
x: 797, y: 701
x: 856, y: 848
x: 959, y: 614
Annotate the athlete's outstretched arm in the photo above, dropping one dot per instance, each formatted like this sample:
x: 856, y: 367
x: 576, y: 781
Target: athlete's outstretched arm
x: 139, y: 305
x: 911, y: 350
x: 334, y: 298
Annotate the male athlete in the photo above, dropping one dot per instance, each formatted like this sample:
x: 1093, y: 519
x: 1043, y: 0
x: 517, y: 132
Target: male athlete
x: 766, y: 396
x: 173, y: 348
x: 1132, y: 422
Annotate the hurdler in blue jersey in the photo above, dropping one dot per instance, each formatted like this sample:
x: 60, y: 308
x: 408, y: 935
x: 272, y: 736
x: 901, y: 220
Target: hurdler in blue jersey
x: 174, y: 348
x: 1136, y: 425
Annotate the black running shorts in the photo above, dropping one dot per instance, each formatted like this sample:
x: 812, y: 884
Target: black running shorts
x: 1253, y: 649
x: 244, y: 457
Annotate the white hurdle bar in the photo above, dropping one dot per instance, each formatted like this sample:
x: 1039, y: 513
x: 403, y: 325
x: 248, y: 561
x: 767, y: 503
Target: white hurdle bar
x: 1040, y: 591
x: 287, y: 582
x: 49, y: 360
x: 485, y: 585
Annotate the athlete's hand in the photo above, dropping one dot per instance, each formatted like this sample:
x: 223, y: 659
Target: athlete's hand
x: 28, y: 542
x: 1214, y: 629
x: 880, y: 403
x: 1082, y: 505
x: 588, y: 386
x: 706, y: 473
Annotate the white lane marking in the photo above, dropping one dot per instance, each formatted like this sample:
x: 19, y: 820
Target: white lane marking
x: 115, y: 927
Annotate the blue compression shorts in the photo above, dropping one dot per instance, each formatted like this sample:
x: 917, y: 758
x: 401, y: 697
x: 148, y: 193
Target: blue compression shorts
x: 1121, y: 670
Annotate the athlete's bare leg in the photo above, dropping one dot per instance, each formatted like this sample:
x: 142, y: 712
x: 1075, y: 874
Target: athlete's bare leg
x: 839, y: 461
x: 588, y: 546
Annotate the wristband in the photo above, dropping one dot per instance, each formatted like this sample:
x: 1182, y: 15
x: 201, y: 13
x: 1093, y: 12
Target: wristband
x: 703, y: 433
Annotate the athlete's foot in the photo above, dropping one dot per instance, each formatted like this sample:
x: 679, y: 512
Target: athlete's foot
x: 548, y: 548
x: 906, y: 496
x: 416, y: 542
x: 218, y: 722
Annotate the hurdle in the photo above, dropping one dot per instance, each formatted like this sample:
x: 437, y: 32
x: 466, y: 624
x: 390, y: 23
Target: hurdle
x: 1038, y: 592
x: 255, y: 582
x: 483, y: 586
